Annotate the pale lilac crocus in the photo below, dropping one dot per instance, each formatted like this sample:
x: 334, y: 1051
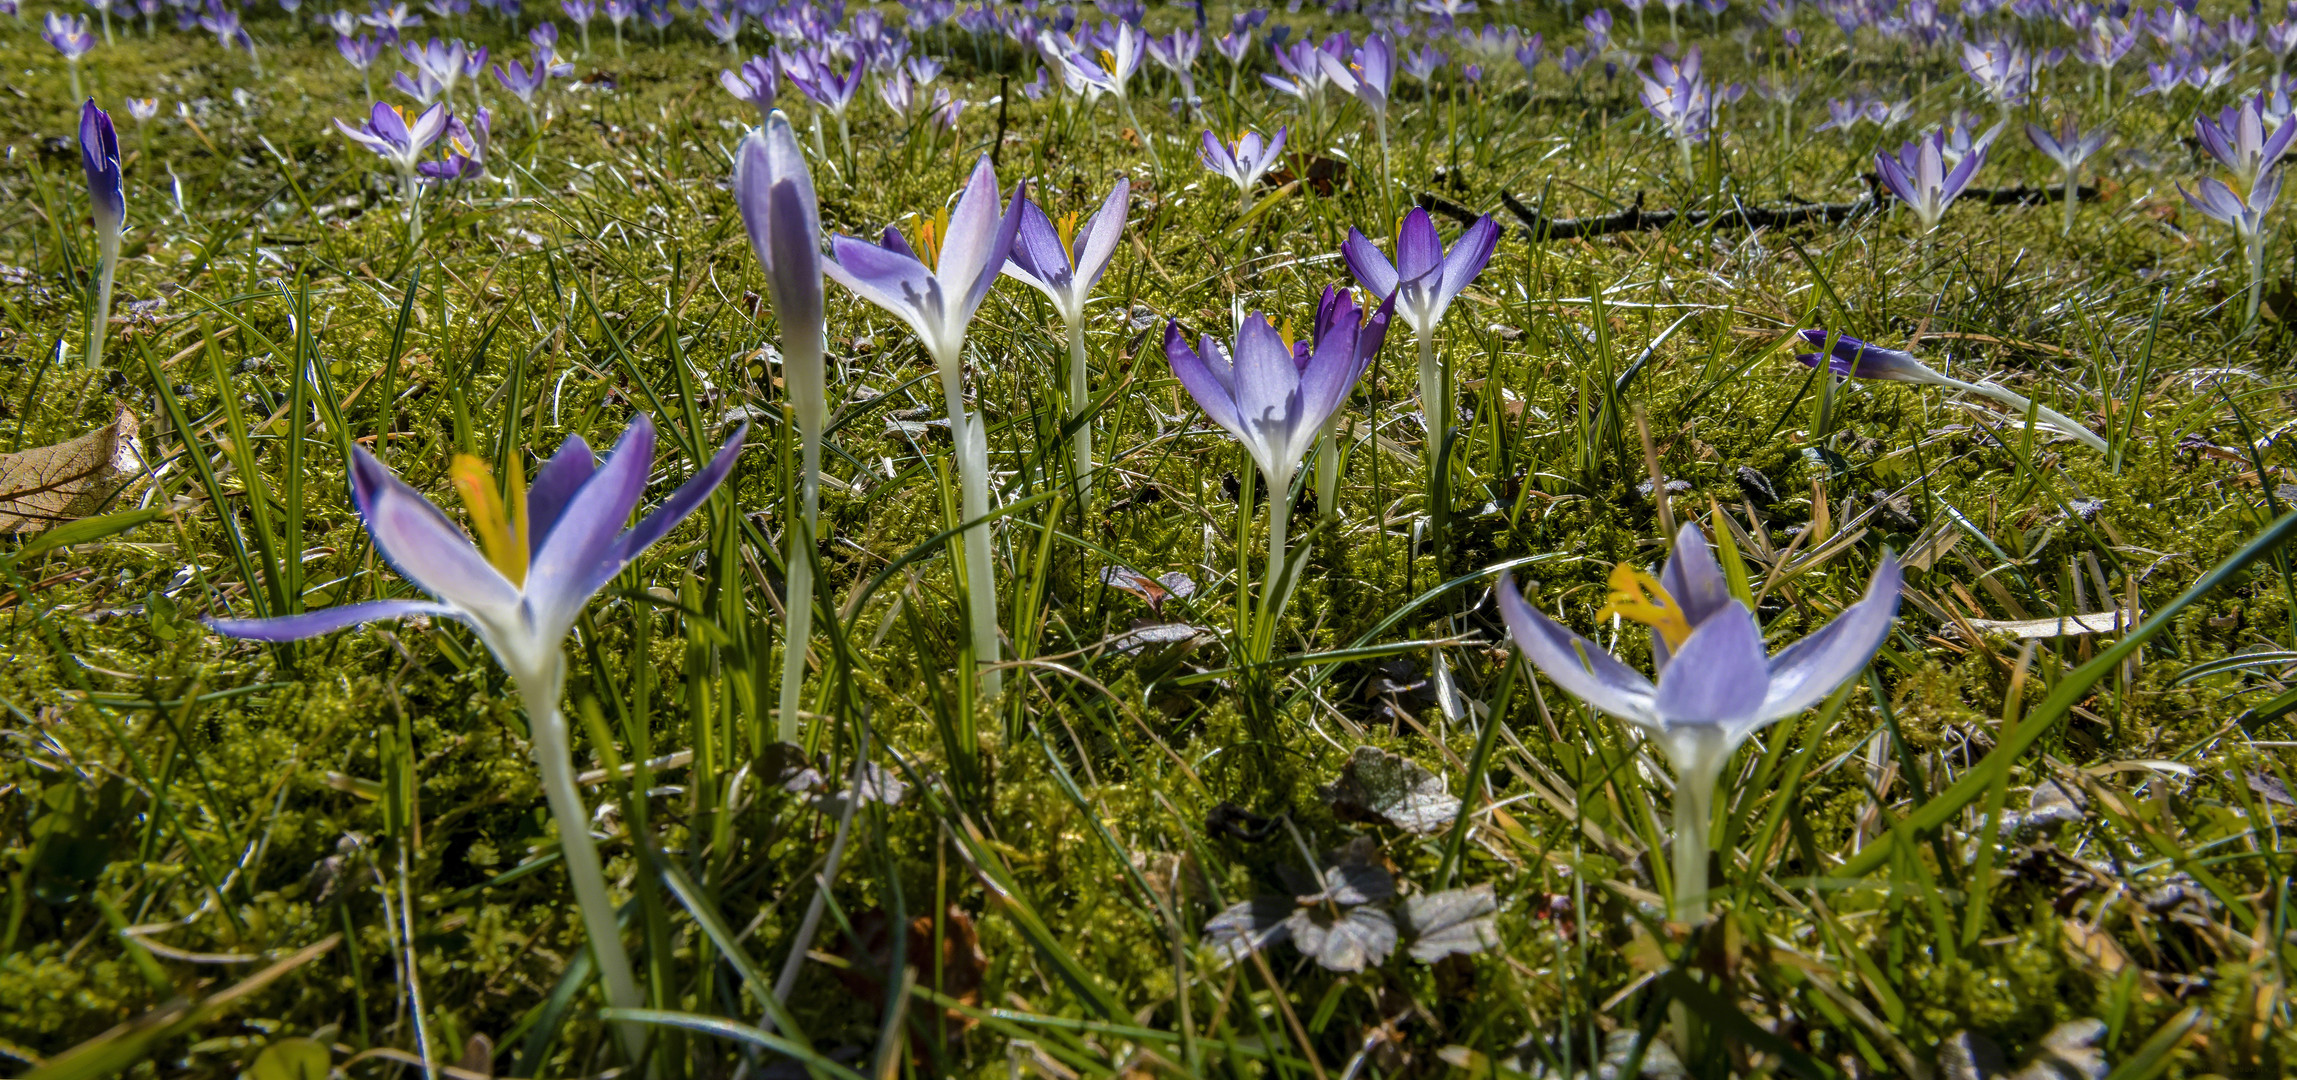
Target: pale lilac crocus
x: 936, y: 292
x: 389, y: 134
x: 1279, y: 404
x: 2237, y: 138
x: 2070, y: 146
x: 1369, y: 73
x: 542, y: 553
x: 1677, y: 96
x: 361, y: 53
x: 1243, y: 160
x: 526, y: 84
x: 775, y: 193
x: 72, y: 40
x: 1176, y: 53
x: 2246, y: 213
x: 1715, y: 686
x: 1850, y: 358
x: 754, y: 83
x: 581, y: 11
x: 1064, y: 261
x: 1423, y: 282
x: 1917, y: 174
x: 108, y: 208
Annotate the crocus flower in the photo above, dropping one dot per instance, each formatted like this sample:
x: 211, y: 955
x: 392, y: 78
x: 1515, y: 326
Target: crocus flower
x: 391, y: 137
x: 1177, y: 52
x: 581, y: 11
x: 541, y: 555
x: 1242, y: 160
x: 2238, y: 139
x: 775, y: 193
x: 2246, y: 213
x: 753, y: 82
x: 143, y: 109
x: 360, y: 52
x: 1850, y: 358
x: 2003, y: 70
x: 1421, y: 64
x: 108, y: 207
x: 69, y: 34
x: 1278, y: 404
x: 523, y: 83
x: 825, y: 87
x: 465, y: 155
x: 1715, y: 686
x: 440, y: 63
x: 2070, y: 147
x: 936, y: 293
x: 1064, y: 262
x: 1677, y: 96
x: 1917, y: 174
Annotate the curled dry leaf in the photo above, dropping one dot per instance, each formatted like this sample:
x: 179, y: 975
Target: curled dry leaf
x: 1172, y: 585
x: 50, y: 485
x: 1346, y: 940
x: 1249, y: 925
x: 1452, y: 921
x: 1388, y: 789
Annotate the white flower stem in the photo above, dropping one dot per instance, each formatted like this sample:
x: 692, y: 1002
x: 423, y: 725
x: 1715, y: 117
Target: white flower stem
x: 1082, y: 441
x: 1433, y: 409
x: 108, y: 246
x: 412, y: 192
x: 1694, y: 810
x: 1328, y: 476
x: 2022, y: 403
x: 555, y: 758
x: 1271, y: 598
x: 800, y: 566
x: 2073, y: 197
x: 2256, y: 277
x: 972, y: 441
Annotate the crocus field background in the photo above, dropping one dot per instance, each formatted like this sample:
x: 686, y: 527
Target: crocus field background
x: 225, y: 856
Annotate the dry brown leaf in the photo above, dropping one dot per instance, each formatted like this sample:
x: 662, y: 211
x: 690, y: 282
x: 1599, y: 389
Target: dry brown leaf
x: 47, y: 486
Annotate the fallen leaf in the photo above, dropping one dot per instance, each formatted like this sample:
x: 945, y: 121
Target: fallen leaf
x: 1389, y: 789
x: 960, y: 966
x: 51, y: 485
x: 1249, y: 926
x: 1452, y: 921
x: 1346, y: 940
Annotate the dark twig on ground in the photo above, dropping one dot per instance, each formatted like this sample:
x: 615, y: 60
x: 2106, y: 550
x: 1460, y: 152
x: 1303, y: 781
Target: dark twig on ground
x: 1635, y: 218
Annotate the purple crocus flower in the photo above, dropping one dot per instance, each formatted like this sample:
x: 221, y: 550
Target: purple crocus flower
x: 2003, y: 70
x: 69, y: 34
x: 1243, y: 160
x: 1369, y: 73
x: 522, y: 82
x: 388, y: 133
x: 2238, y: 139
x: 936, y: 292
x: 1276, y: 403
x: 1064, y: 262
x: 465, y: 157
x: 1677, y: 96
x: 1423, y: 280
x: 2070, y: 147
x: 360, y: 52
x: 107, y: 207
x: 775, y: 192
x: 1850, y: 358
x: 1917, y: 174
x: 753, y: 82
x: 2246, y: 213
x: 1421, y: 64
x: 1715, y: 685
x: 538, y: 561
x: 1529, y: 54
x: 1177, y: 52
x: 141, y: 110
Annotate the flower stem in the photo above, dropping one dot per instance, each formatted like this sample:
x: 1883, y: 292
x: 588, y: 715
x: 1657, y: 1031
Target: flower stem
x: 2073, y: 197
x: 972, y: 442
x: 1694, y: 809
x: 2256, y: 277
x: 800, y: 563
x: 99, y: 321
x: 1328, y: 476
x: 1271, y: 596
x: 1432, y: 412
x: 1082, y: 441
x: 555, y: 758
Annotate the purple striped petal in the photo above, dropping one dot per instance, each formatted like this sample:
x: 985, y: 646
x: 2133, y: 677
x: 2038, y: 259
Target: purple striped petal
x: 1696, y: 582
x: 554, y: 486
x: 422, y: 545
x: 565, y: 571
x: 1574, y: 663
x: 1419, y: 251
x: 1207, y: 379
x: 1096, y: 243
x: 1038, y: 257
x: 1469, y: 255
x: 1720, y: 676
x: 326, y: 620
x: 1370, y: 267
x: 1804, y: 673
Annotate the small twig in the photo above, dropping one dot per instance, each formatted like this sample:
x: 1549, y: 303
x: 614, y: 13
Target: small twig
x: 1635, y: 218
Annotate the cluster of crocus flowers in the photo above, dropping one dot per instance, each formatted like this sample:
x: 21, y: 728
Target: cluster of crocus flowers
x: 1715, y: 686
x: 542, y: 553
x: 401, y: 143
x: 1677, y: 96
x: 936, y: 287
x: 1919, y: 175
x: 108, y: 208
x: 1243, y: 160
x: 775, y: 193
x: 1849, y: 358
x: 1064, y: 261
x: 1423, y: 282
x: 1279, y: 400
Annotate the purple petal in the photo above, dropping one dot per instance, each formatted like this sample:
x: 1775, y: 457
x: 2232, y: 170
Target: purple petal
x: 1693, y: 578
x: 1469, y: 254
x: 1371, y: 268
x: 1804, y: 673
x: 1038, y: 257
x: 326, y: 620
x: 554, y: 485
x: 681, y: 503
x: 565, y: 571
x: 421, y: 544
x: 1419, y: 251
x: 1210, y: 387
x: 1266, y: 385
x: 1719, y: 676
x: 971, y: 253
x: 1096, y: 243
x: 892, y: 280
x: 1574, y: 663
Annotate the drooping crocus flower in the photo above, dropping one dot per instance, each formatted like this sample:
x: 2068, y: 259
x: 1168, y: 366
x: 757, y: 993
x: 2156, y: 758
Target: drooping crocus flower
x: 1851, y: 358
x: 388, y: 133
x: 69, y: 34
x: 1243, y: 160
x: 541, y: 554
x: 1715, y: 686
x: 935, y: 288
x: 1064, y: 262
x: 2246, y: 213
x: 1423, y: 282
x: 108, y: 207
x: 754, y: 82
x: 2239, y: 141
x: 1279, y: 404
x: 1917, y: 174
x: 2070, y: 147
x: 775, y: 193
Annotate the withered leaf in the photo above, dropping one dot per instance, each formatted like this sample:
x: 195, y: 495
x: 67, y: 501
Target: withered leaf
x: 50, y: 485
x: 1344, y: 941
x: 1353, y: 882
x: 1388, y: 789
x: 1249, y: 926
x: 1452, y: 921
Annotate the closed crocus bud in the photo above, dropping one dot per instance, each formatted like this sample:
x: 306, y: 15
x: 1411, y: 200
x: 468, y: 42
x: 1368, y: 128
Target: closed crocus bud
x: 776, y: 195
x: 100, y: 156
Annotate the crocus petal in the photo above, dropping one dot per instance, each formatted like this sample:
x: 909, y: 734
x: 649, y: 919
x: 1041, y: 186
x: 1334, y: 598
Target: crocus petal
x: 1038, y: 258
x: 1696, y: 582
x: 326, y: 620
x: 970, y: 253
x: 1720, y: 676
x: 1469, y: 255
x: 891, y: 280
x: 554, y: 486
x: 422, y: 545
x: 1370, y: 267
x: 681, y: 502
x: 1209, y: 387
x: 1574, y: 663
x: 1096, y: 243
x: 1419, y: 251
x: 774, y: 191
x: 564, y: 572
x: 1804, y: 673
x: 1266, y: 382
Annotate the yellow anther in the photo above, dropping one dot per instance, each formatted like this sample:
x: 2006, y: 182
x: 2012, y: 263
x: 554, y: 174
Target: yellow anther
x: 1638, y: 597
x: 501, y: 529
x: 1066, y: 229
x: 932, y: 232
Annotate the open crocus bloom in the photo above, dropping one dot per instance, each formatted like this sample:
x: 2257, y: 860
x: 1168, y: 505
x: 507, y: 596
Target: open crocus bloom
x: 1274, y: 403
x: 538, y: 559
x: 1715, y: 685
x: 1424, y: 279
x: 937, y: 292
x: 388, y: 133
x: 1065, y: 261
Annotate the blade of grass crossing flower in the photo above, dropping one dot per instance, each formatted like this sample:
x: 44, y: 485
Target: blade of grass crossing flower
x: 2070, y: 690
x: 191, y: 452
x: 1472, y: 782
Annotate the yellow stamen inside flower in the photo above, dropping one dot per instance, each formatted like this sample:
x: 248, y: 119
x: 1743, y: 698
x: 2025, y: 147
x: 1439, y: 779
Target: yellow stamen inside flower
x: 1285, y: 332
x: 932, y: 232
x: 1638, y: 597
x: 1066, y: 229
x: 501, y: 528
x: 1108, y: 61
